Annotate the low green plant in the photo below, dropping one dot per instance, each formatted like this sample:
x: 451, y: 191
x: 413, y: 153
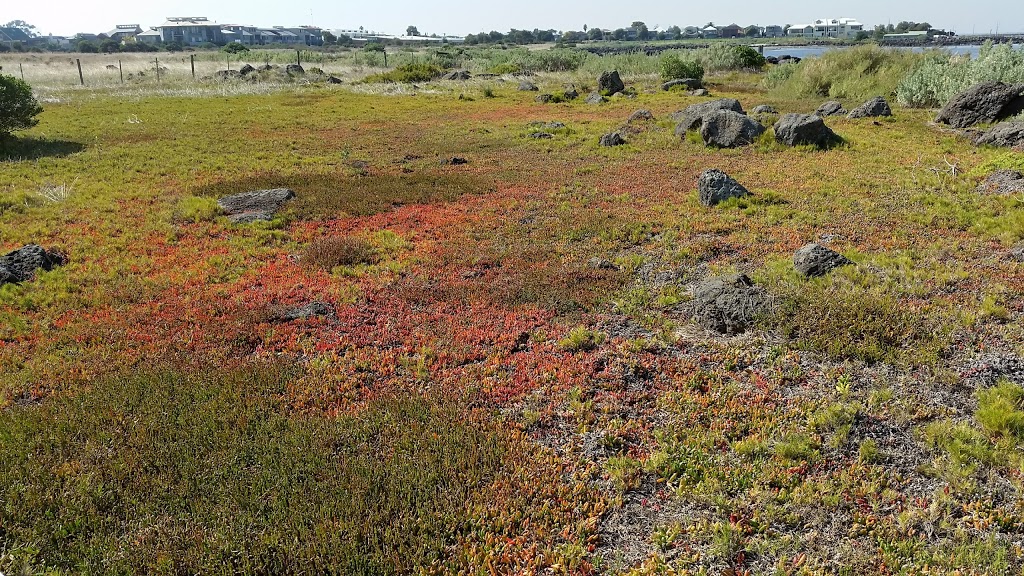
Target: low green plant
x: 407, y: 74
x: 796, y: 448
x: 582, y: 339
x: 940, y: 76
x: 1001, y: 410
x: 674, y: 67
x: 196, y: 209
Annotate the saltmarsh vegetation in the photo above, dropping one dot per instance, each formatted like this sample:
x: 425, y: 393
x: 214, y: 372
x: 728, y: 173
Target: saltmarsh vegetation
x: 509, y: 367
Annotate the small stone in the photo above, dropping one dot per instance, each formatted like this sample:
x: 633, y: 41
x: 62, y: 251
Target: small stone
x: 612, y: 139
x: 830, y: 108
x: 816, y: 260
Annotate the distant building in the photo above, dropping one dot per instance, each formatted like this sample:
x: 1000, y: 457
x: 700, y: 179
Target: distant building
x: 772, y: 32
x: 828, y: 28
x: 122, y: 32
x: 710, y: 32
x: 151, y: 36
x: 308, y: 35
x: 14, y: 35
x: 912, y: 35
x: 691, y: 32
x: 191, y: 31
x: 730, y: 31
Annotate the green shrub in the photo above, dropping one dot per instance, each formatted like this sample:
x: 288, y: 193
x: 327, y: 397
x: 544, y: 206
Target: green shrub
x: 506, y: 68
x: 235, y: 48
x: 673, y: 67
x: 407, y: 73
x: 18, y: 107
x: 941, y: 75
x: 778, y: 75
x: 748, y: 57
x: 580, y: 339
x: 855, y: 73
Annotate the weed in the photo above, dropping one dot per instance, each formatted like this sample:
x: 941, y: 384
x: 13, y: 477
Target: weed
x: 1001, y: 410
x: 329, y: 253
x: 582, y: 339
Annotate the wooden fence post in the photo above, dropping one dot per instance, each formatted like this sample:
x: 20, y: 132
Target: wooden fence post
x: 120, y: 71
x: 192, y: 59
x: 157, y: 70
x: 81, y: 78
x: 298, y: 57
x: 385, y: 58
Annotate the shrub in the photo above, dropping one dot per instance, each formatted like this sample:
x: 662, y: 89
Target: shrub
x: 407, y: 73
x: 673, y: 67
x: 855, y: 73
x: 196, y: 209
x: 778, y: 75
x: 748, y: 57
x: 328, y: 253
x: 236, y: 48
x: 18, y: 107
x: 580, y: 339
x: 941, y: 76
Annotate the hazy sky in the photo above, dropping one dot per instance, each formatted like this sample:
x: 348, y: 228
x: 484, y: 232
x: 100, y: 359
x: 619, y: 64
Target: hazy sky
x: 457, y: 17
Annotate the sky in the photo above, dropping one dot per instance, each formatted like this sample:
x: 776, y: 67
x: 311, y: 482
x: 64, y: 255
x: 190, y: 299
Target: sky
x: 460, y: 17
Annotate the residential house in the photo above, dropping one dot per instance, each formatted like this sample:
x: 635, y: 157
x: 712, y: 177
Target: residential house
x: 308, y: 35
x: 151, y: 36
x: 191, y: 31
x: 122, y: 32
x: 710, y: 31
x: 753, y: 31
x: 691, y: 32
x: 247, y: 35
x: 62, y: 42
x: 12, y: 36
x: 828, y: 28
x: 730, y: 31
x: 772, y: 31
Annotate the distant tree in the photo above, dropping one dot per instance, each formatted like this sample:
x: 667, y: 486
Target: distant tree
x: 175, y: 46
x: 862, y: 35
x: 412, y: 31
x: 584, y: 27
x: 235, y: 48
x: 619, y: 34
x: 373, y: 47
x: 879, y: 32
x: 494, y: 36
x: 110, y: 46
x: 25, y: 27
x: 642, y: 33
x: 344, y: 40
x: 328, y: 37
x: 87, y: 47
x: 544, y: 35
x: 18, y: 107
x: 752, y: 31
x: 596, y: 34
x: 674, y: 32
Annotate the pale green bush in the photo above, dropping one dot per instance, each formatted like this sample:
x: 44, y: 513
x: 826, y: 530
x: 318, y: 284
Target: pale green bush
x: 940, y: 77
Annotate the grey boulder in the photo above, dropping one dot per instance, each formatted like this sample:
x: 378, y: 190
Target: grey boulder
x: 1008, y: 134
x: 315, y: 309
x: 816, y: 260
x: 728, y: 129
x: 21, y: 264
x: 595, y: 98
x: 728, y: 304
x: 612, y: 139
x: 457, y: 75
x: 804, y: 130
x: 527, y: 86
x: 983, y: 103
x: 764, y: 109
x: 294, y: 70
x: 610, y: 83
x: 254, y: 206
x: 640, y: 116
x: 874, y: 108
x: 688, y: 83
x: 715, y: 186
x: 692, y: 117
x: 830, y: 108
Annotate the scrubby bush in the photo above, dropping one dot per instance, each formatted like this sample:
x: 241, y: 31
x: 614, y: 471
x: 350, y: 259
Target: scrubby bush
x: 855, y: 73
x: 778, y: 75
x: 748, y: 57
x: 18, y: 107
x: 941, y: 76
x: 408, y: 73
x: 236, y: 48
x: 673, y: 67
x: 328, y: 253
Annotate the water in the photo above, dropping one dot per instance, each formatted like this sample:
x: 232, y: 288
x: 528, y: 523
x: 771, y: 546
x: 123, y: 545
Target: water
x: 811, y: 51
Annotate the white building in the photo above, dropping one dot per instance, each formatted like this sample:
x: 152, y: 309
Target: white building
x: 828, y: 28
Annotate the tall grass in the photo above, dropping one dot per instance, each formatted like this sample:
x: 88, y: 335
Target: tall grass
x: 207, y: 474
x: 940, y: 77
x: 857, y: 73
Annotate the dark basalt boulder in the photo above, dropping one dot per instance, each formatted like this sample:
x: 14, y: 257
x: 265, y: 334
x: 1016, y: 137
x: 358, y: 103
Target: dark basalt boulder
x: 610, y: 83
x: 612, y: 139
x: 874, y: 108
x: 715, y: 186
x: 830, y: 108
x: 728, y: 304
x: 764, y: 109
x: 692, y: 117
x: 246, y: 70
x: 728, y: 129
x: 254, y: 206
x: 804, y: 130
x: 983, y: 103
x: 20, y: 265
x: 1007, y: 134
x: 687, y: 83
x: 816, y: 260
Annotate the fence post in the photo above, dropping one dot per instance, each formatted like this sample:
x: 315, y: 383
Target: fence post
x: 229, y: 62
x: 385, y: 58
x: 157, y: 70
x: 192, y: 59
x: 81, y: 78
x: 22, y: 68
x: 298, y: 57
x: 120, y: 71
